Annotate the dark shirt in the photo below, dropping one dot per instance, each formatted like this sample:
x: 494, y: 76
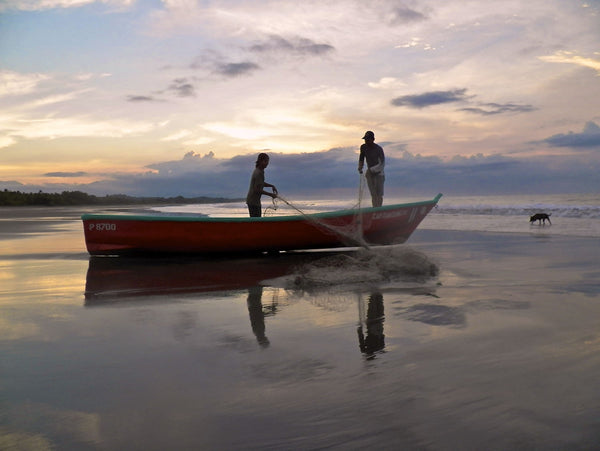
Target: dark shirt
x: 373, y: 153
x: 257, y: 183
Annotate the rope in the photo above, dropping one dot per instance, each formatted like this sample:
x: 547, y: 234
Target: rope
x: 354, y: 238
x: 274, y: 207
x: 357, y: 240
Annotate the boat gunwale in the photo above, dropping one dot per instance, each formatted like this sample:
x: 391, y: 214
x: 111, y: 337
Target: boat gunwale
x: 161, y: 217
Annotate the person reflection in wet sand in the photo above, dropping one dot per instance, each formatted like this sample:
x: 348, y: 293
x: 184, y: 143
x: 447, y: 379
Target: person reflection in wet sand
x: 375, y: 339
x: 257, y: 317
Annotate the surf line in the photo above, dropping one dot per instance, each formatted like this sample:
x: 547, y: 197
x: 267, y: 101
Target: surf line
x: 356, y: 238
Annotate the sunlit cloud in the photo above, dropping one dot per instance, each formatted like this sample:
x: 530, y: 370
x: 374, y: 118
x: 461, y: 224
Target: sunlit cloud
x: 573, y: 58
x: 14, y: 83
x: 188, y: 138
x: 178, y: 135
x: 54, y: 128
x: 238, y: 132
x: 7, y: 141
x: 415, y: 42
x: 56, y: 98
x: 201, y: 141
x: 387, y: 83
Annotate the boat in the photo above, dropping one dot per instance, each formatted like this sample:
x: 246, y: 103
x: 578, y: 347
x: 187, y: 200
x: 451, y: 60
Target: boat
x: 129, y: 233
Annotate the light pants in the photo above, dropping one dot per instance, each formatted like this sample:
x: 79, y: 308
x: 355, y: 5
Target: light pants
x: 375, y: 184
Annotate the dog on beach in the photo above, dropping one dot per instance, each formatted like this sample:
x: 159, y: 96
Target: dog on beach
x: 540, y: 218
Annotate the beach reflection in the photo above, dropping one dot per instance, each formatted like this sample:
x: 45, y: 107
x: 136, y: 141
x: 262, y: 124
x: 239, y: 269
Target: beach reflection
x: 329, y: 280
x: 257, y: 314
x: 371, y: 338
x: 119, y: 279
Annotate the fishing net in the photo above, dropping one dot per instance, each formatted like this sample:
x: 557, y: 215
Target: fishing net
x: 351, y: 233
x: 364, y: 268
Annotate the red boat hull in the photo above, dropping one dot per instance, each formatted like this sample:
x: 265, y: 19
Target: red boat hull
x: 117, y: 234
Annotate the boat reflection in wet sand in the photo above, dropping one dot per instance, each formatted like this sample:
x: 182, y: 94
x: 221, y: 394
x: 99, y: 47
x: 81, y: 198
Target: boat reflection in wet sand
x: 111, y: 279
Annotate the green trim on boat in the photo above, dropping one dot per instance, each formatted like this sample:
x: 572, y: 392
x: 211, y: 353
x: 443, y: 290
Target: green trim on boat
x: 201, y: 218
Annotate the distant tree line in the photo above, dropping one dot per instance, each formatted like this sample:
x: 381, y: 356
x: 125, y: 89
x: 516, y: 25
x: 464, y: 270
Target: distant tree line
x: 17, y: 198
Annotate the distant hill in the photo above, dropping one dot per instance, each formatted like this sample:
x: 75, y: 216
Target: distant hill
x: 66, y: 198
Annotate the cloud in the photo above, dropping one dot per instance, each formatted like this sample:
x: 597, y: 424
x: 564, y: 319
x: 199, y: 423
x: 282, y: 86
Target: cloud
x: 403, y: 15
x: 40, y: 5
x: 181, y: 87
x: 14, y: 83
x: 589, y: 137
x: 212, y: 62
x: 296, y: 46
x: 138, y: 98
x: 572, y: 58
x: 236, y: 69
x: 430, y: 98
x: 66, y: 174
x: 54, y: 128
x: 415, y: 42
x: 488, y: 109
x: 333, y: 173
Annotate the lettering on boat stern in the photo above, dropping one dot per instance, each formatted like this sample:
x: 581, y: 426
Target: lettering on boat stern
x: 103, y: 226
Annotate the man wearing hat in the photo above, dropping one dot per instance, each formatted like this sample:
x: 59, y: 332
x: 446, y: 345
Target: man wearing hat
x: 373, y: 153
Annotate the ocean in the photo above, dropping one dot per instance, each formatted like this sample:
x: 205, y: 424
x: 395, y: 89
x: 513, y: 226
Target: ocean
x: 480, y: 332
x: 571, y: 214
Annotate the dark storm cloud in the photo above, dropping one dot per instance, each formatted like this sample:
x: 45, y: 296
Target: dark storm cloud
x: 431, y: 98
x: 333, y: 173
x: 65, y: 174
x: 295, y: 46
x: 590, y: 137
x: 489, y: 109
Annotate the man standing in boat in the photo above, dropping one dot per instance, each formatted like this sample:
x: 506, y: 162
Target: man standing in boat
x: 373, y: 153
x: 257, y: 187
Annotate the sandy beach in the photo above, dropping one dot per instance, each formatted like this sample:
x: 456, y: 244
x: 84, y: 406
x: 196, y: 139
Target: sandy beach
x: 455, y: 340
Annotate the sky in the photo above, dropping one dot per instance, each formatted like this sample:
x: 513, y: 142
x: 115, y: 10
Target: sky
x: 177, y: 97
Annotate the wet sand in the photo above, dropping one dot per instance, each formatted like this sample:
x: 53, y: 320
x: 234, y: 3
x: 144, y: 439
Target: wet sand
x: 499, y: 350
